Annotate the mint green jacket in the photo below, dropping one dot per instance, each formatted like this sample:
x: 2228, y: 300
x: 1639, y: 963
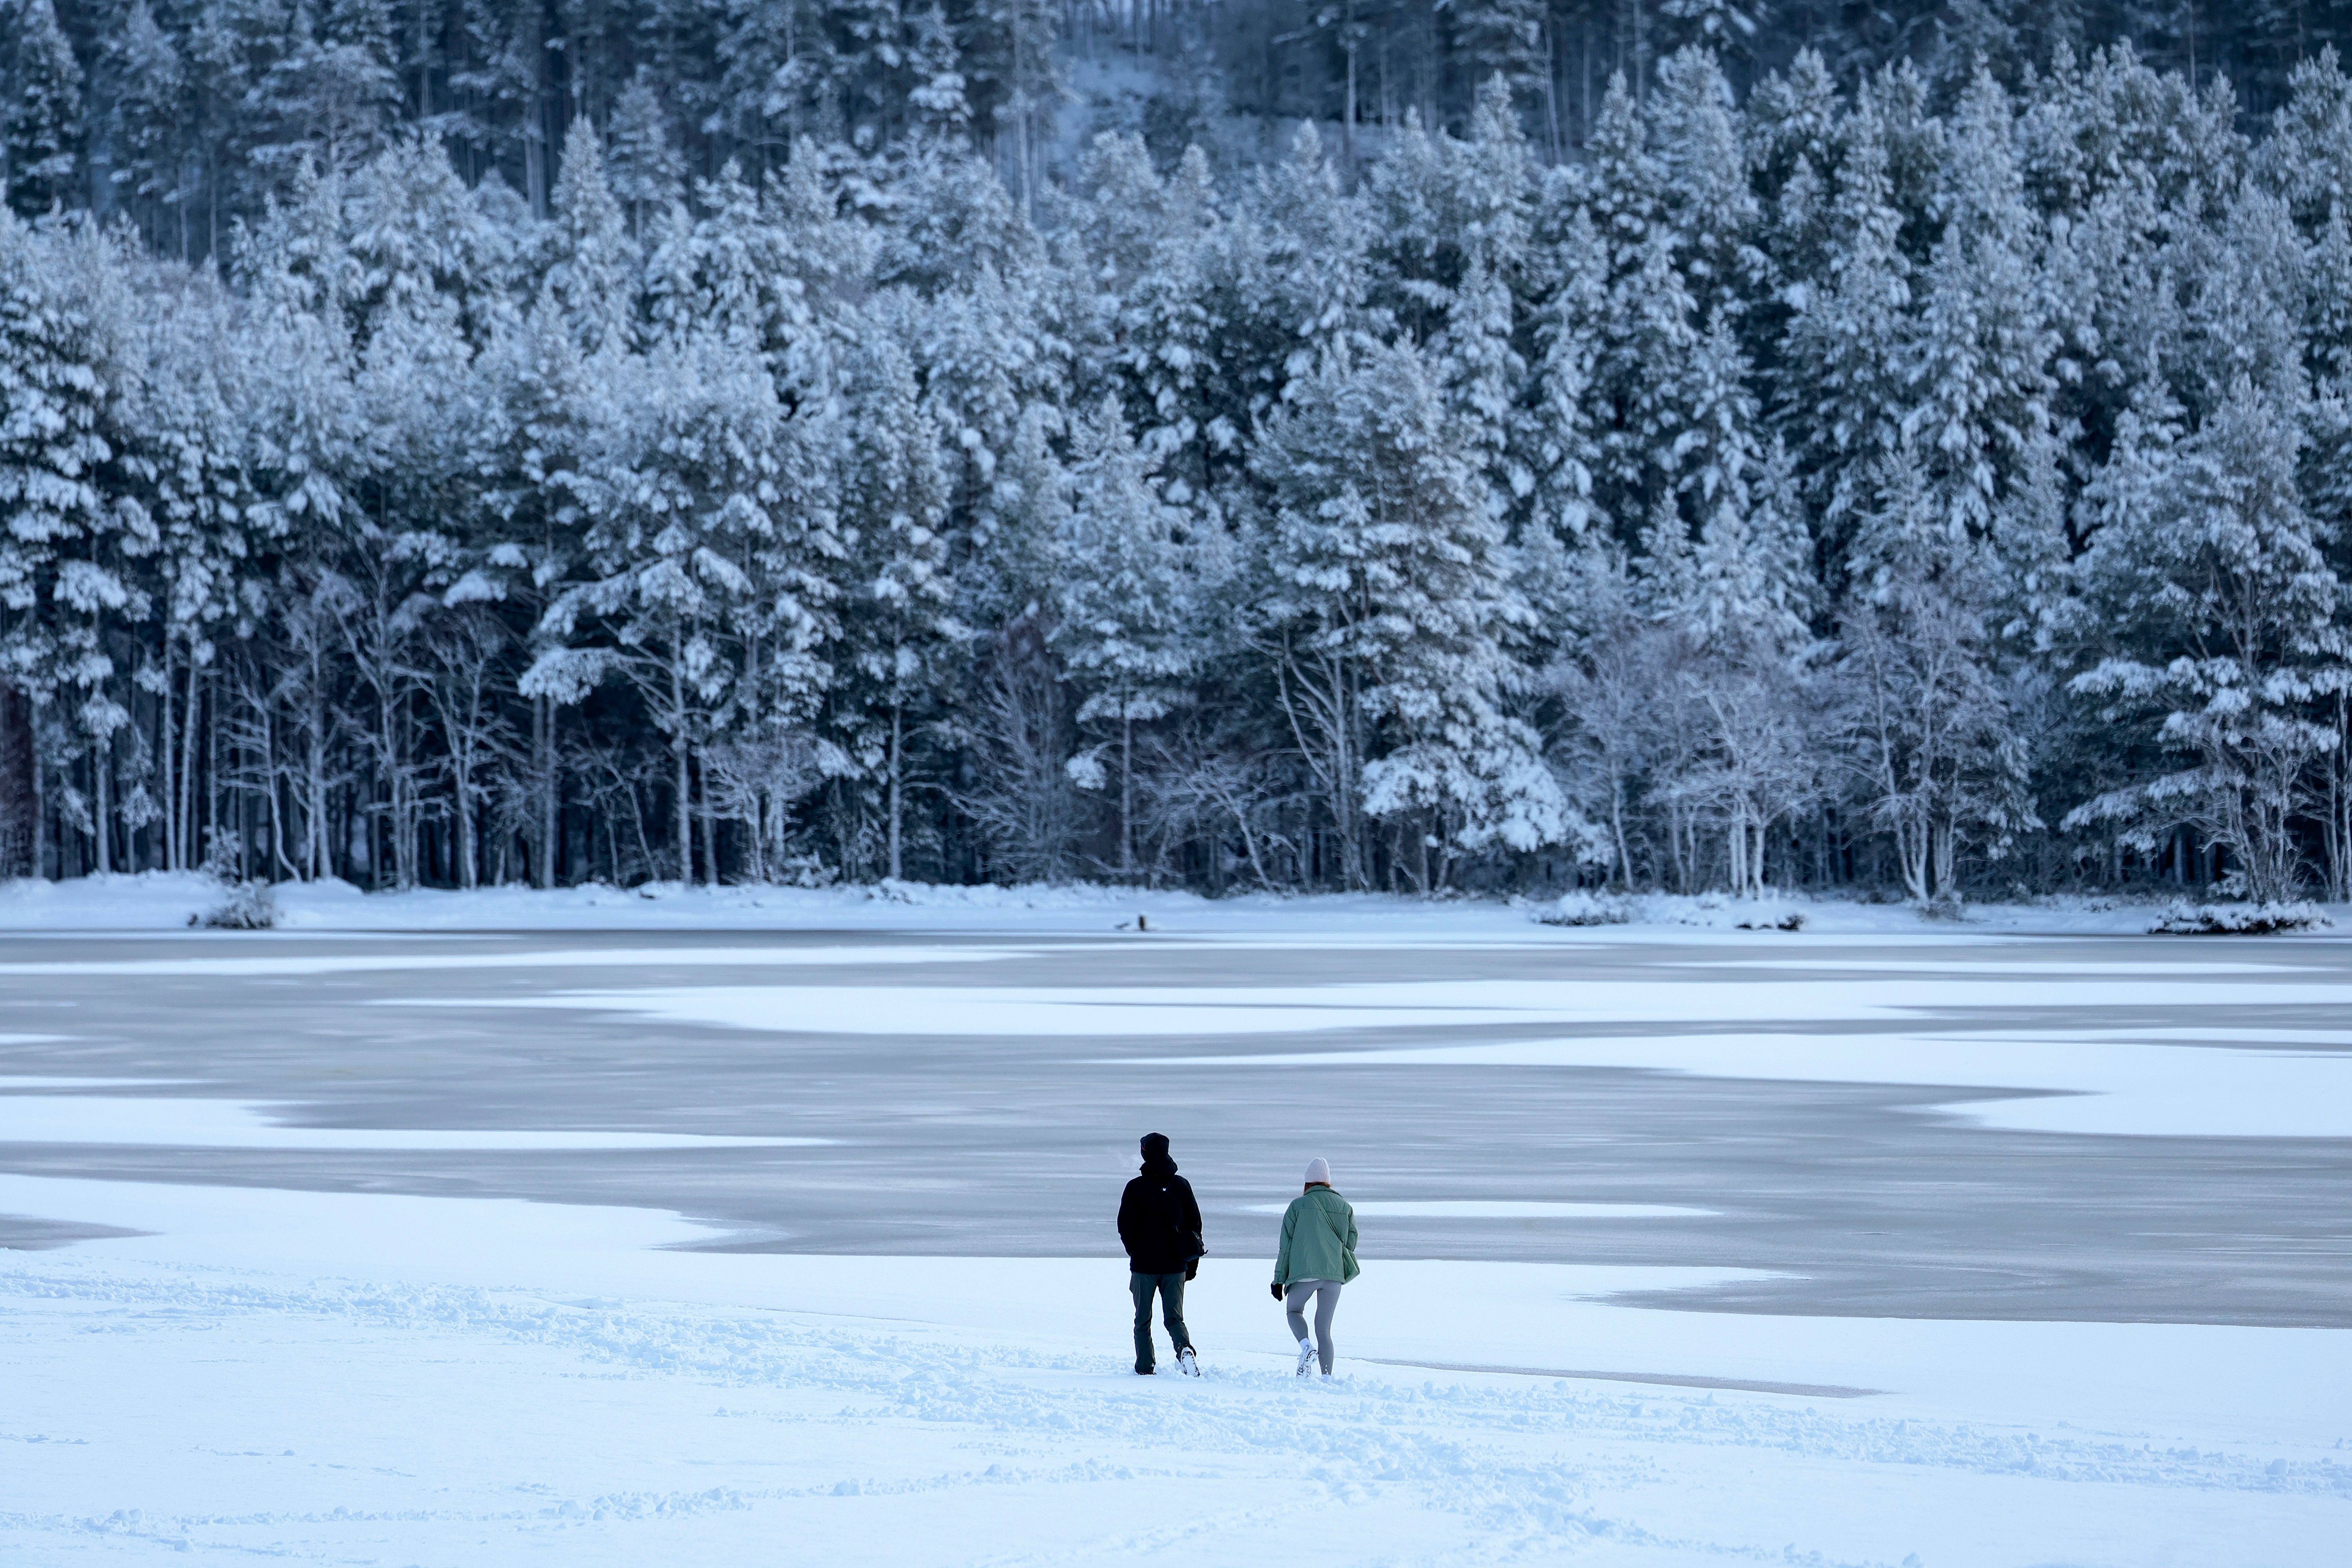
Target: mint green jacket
x: 1319, y: 1239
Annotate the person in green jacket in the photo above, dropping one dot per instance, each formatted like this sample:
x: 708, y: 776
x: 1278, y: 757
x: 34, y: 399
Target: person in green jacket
x: 1317, y: 1256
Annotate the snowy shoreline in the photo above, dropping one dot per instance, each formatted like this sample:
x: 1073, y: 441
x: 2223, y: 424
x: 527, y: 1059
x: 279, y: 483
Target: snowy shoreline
x: 165, y: 900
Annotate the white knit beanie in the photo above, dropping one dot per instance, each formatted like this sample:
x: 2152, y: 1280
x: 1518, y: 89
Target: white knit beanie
x: 1319, y: 1169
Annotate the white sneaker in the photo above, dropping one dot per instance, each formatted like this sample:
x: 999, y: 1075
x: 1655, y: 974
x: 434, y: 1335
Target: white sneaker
x: 1187, y: 1363
x: 1305, y: 1359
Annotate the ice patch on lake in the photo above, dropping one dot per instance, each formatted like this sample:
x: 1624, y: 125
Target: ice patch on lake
x: 6, y: 1083
x: 586, y: 958
x: 2097, y: 1086
x: 226, y: 1124
x: 1486, y: 1208
x: 1996, y: 968
x: 1114, y: 1011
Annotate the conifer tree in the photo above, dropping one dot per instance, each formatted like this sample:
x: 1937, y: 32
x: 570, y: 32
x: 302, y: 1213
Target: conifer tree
x: 647, y: 171
x: 1388, y: 613
x: 1941, y: 765
x: 706, y: 589
x: 593, y: 271
x: 148, y: 127
x: 1562, y: 444
x: 2222, y: 573
x: 899, y: 639
x: 329, y: 96
x: 1979, y: 363
x: 57, y: 381
x: 40, y: 122
x: 1306, y: 284
x: 1131, y: 593
x: 1840, y: 376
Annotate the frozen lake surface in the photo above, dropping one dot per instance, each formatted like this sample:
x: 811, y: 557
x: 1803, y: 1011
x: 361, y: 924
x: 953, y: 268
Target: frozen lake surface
x: 649, y: 1243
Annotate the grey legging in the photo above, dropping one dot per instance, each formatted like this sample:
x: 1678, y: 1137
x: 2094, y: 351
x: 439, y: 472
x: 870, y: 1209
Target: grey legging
x: 1327, y: 1301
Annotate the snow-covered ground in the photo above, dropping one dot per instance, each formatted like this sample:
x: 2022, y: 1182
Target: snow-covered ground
x: 358, y: 1378
x: 166, y: 902
x: 304, y: 1308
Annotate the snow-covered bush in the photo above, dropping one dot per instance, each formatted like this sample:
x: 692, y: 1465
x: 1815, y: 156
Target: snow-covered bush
x: 1583, y: 909
x: 1718, y: 913
x: 2184, y: 918
x: 247, y: 907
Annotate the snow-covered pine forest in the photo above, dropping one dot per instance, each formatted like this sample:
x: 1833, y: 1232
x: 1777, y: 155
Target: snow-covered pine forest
x: 1468, y: 446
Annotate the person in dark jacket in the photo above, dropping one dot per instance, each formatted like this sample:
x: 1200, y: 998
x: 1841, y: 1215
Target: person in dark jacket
x: 1159, y: 1225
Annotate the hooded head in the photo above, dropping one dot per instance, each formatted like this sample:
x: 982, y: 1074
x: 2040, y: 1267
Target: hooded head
x: 1318, y: 1170
x: 1155, y: 1152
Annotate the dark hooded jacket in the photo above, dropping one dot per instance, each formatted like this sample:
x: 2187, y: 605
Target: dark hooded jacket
x: 1159, y: 1220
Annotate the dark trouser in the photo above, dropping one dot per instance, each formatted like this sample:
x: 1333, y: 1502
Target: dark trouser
x: 1171, y: 1289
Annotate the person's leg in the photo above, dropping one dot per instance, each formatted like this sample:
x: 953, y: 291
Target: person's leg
x: 1140, y: 1287
x: 1327, y: 1301
x: 1171, y: 1310
x: 1294, y: 1305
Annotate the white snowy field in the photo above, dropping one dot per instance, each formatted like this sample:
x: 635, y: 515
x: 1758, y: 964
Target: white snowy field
x: 281, y: 1347
x: 391, y: 1378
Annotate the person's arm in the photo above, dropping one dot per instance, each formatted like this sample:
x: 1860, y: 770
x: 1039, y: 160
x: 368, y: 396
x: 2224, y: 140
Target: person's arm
x: 1351, y: 1227
x: 1189, y: 1216
x: 1127, y: 1217
x: 1282, y: 1253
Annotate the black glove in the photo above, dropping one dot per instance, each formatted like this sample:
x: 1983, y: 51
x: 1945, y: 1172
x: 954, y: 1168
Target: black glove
x: 1276, y: 1289
x: 1192, y: 1269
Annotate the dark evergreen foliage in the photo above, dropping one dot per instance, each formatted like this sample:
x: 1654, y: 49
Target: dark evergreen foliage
x: 1318, y: 443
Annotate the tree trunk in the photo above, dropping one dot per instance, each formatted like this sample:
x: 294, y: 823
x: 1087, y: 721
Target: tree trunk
x: 1915, y: 847
x: 551, y: 791
x: 403, y: 860
x: 468, y: 877
x: 212, y: 763
x: 539, y: 714
x: 1249, y: 848
x: 684, y: 779
x: 1347, y: 124
x: 189, y: 839
x: 709, y: 834
x: 317, y: 851
x: 1617, y: 823
x: 2341, y: 787
x: 277, y: 807
x: 532, y: 49
x: 45, y: 847
x: 102, y: 770
x: 1127, y: 794
x: 163, y: 738
x: 898, y: 796
x: 637, y: 823
x: 20, y: 800
x: 1551, y: 92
